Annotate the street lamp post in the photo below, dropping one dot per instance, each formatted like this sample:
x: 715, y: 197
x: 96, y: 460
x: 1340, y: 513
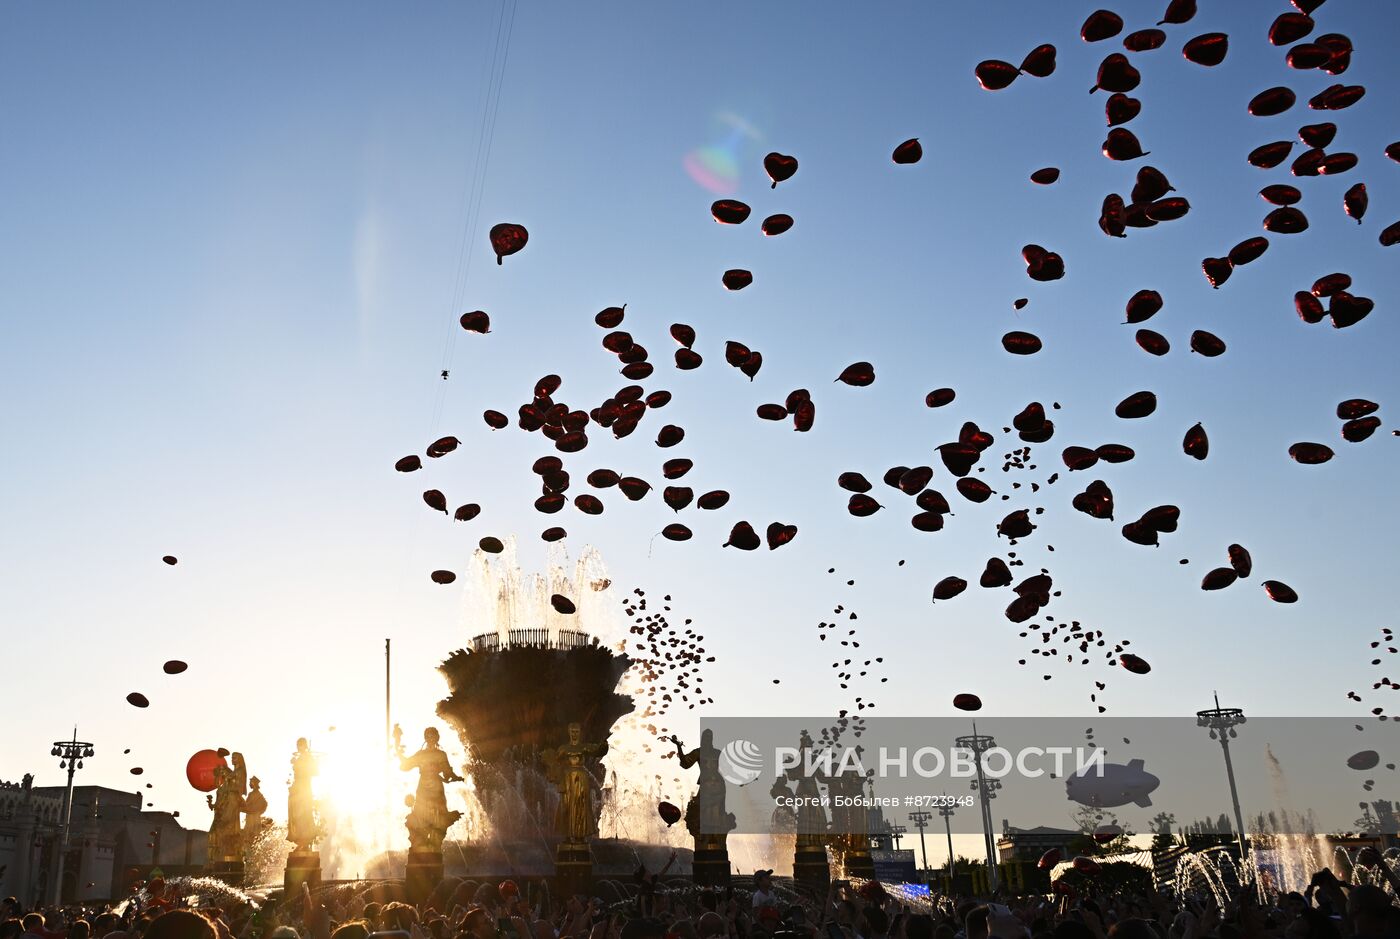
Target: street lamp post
x: 947, y: 810
x: 1222, y: 723
x: 897, y: 832
x: 71, y: 754
x: 980, y: 744
x: 920, y: 818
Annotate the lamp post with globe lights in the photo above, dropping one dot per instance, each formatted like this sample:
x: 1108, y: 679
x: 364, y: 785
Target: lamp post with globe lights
x: 920, y: 820
x: 979, y: 744
x: 1222, y: 723
x: 71, y: 754
x: 946, y: 810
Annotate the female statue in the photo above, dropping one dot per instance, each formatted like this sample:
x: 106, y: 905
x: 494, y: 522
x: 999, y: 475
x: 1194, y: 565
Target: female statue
x: 301, y: 805
x: 430, y: 819
x: 576, y: 821
x: 226, y: 830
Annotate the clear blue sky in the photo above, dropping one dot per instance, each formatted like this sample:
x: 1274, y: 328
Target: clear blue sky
x: 228, y: 254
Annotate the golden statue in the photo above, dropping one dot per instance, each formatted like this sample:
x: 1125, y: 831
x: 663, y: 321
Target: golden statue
x: 811, y: 817
x: 302, y: 829
x: 430, y: 818
x: 705, y: 818
x: 568, y: 767
x: 225, y: 831
x: 254, y: 807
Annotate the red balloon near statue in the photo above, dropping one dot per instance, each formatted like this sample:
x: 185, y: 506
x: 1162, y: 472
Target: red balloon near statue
x: 200, y: 770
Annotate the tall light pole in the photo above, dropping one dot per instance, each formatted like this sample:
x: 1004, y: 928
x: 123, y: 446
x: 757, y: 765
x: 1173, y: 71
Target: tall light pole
x: 920, y: 820
x: 71, y: 754
x: 897, y: 832
x: 980, y: 744
x: 947, y: 810
x: 1222, y: 723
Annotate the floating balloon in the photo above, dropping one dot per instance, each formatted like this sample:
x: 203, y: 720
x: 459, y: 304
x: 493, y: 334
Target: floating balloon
x: 1120, y: 109
x: 611, y: 317
x: 1116, y: 74
x: 967, y: 702
x: 994, y: 74
x: 200, y: 767
x: 1101, y: 25
x: 553, y: 534
x: 1045, y: 176
x: 1217, y: 271
x: 507, y: 238
x: 1136, y: 405
x: 1122, y: 144
x: 443, y: 577
x: 1144, y: 40
x: 669, y: 813
x: 776, y: 224
x: 1207, y: 344
x: 1310, y: 454
x: 779, y: 534
x: 729, y: 211
x: 1288, y: 28
x: 859, y: 374
x: 1355, y: 200
x: 1219, y: 579
x: 1021, y: 343
x: 1040, y: 61
x: 1251, y: 249
x: 1272, y: 101
x: 779, y: 167
x: 1208, y: 49
x: 676, y: 532
x: 743, y: 537
x: 174, y: 667
x: 715, y: 499
x: 736, y: 279
x: 1196, y: 444
x: 862, y: 506
x: 940, y: 397
x: 1363, y: 760
x: 1049, y: 859
x: 137, y: 700
x: 491, y: 545
x: 1269, y: 155
x: 1280, y: 592
x: 1143, y: 305
x: 406, y: 465
x: 908, y: 152
x: 562, y: 604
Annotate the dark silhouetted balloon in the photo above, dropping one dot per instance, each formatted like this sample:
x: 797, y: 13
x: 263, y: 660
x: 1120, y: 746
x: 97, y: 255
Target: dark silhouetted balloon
x: 743, y: 537
x: 1307, y: 55
x: 1196, y: 444
x: 861, y: 505
x: 1272, y: 101
x: 1309, y: 307
x: 633, y: 488
x: 1219, y: 578
x: 1021, y: 343
x: 1360, y: 429
x: 1101, y: 25
x: 1122, y: 144
x: 611, y: 317
x: 1207, y: 344
x: 1217, y: 270
x: 1136, y: 405
x: 1114, y: 452
x: 1240, y: 560
x: 465, y: 513
x: 1355, y: 200
x: 676, y: 532
x: 994, y: 74
x: 779, y: 167
x: 772, y: 412
x: 1251, y: 249
x: 940, y: 397
x: 1310, y: 454
x: 1049, y: 859
x: 1288, y: 28
x: 174, y: 667
x: 1336, y: 97
x: 1040, y: 61
x: 779, y: 534
x: 553, y: 534
x: 138, y: 700
x: 1116, y: 74
x: 1280, y: 194
x: 1269, y: 155
x: 1152, y: 342
x: 1279, y: 592
x: 1135, y: 664
x: 1364, y: 760
x: 507, y: 238
x: 669, y: 813
x: 729, y: 211
x: 491, y: 545
x: 1144, y: 40
x: 1208, y: 49
x: 858, y: 374
x: 908, y: 152
x: 736, y: 279
x: 715, y: 499
x: 776, y: 224
x: 1352, y: 408
x: 1143, y: 305
x: 443, y: 577
x: 1288, y: 220
x: 1390, y: 236
x: 435, y: 500
x: 172, y: 560
x: 1045, y: 176
x: 967, y: 702
x: 1120, y: 109
x: 406, y: 465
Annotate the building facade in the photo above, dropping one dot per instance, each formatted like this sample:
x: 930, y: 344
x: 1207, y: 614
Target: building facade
x: 114, y: 841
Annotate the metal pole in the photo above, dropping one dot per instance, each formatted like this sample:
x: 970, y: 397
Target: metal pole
x: 1234, y: 797
x: 388, y: 752
x: 920, y: 819
x: 948, y: 830
x: 71, y: 754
